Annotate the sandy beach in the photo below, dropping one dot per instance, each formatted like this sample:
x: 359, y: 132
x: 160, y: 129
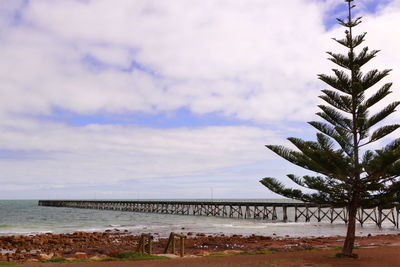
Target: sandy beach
x: 200, y: 250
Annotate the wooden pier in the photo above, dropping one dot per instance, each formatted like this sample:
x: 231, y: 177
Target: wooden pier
x: 247, y: 210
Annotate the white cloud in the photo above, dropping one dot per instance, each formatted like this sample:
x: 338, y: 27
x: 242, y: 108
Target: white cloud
x: 199, y: 50
x: 251, y: 60
x: 240, y: 58
x: 109, y: 154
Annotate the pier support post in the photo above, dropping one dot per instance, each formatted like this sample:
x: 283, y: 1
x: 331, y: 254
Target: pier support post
x: 285, y: 217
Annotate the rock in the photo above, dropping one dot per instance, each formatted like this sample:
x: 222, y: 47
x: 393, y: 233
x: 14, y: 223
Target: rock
x: 44, y: 257
x: 19, y: 256
x: 81, y: 255
x: 204, y: 253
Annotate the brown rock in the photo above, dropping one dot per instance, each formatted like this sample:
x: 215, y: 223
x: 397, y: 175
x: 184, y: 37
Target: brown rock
x: 204, y: 253
x: 44, y: 257
x: 9, y: 256
x: 81, y: 255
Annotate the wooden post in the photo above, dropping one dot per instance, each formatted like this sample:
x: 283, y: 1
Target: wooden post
x: 319, y: 213
x: 150, y: 245
x: 379, y: 217
x: 145, y: 244
x: 285, y: 217
x: 182, y: 246
x: 171, y: 240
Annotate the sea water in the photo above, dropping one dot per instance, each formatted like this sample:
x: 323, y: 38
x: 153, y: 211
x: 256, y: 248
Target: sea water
x: 26, y: 217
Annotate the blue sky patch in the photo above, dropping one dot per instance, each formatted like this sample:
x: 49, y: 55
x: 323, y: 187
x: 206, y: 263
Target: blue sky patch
x: 92, y: 64
x: 8, y: 154
x: 340, y: 11
x: 179, y: 118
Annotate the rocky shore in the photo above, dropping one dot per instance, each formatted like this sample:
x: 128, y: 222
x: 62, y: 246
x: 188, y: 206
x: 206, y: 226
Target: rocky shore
x: 97, y: 245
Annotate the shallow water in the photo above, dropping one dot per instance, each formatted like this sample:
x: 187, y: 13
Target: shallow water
x: 26, y: 217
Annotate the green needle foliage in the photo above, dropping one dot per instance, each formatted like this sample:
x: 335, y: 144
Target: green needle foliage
x: 350, y: 174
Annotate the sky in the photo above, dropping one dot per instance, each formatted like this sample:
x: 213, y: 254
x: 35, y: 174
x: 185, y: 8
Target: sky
x: 149, y: 99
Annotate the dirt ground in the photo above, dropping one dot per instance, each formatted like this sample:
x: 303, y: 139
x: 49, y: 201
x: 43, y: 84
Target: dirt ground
x: 378, y: 256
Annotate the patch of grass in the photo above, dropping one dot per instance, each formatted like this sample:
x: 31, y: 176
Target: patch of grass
x: 59, y: 259
x: 220, y: 254
x: 127, y: 255
x: 341, y: 256
x: 109, y: 259
x: 8, y: 263
x: 77, y: 260
x: 131, y: 255
x: 257, y: 252
x: 340, y: 248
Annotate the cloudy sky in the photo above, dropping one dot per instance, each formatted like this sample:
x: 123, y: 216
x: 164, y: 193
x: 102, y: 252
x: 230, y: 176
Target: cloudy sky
x: 165, y: 99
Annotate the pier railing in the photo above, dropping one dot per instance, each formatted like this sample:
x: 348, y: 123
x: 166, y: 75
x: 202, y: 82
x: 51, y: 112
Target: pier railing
x: 247, y: 210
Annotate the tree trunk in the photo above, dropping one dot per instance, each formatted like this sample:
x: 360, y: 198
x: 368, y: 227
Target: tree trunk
x: 351, y: 233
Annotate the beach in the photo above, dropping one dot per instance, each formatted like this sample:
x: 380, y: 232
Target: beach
x: 100, y: 245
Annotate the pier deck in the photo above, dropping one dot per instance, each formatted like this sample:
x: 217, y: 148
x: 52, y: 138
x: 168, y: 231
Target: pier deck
x: 236, y: 209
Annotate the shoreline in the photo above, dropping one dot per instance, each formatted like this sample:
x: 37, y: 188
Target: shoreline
x: 244, y: 227
x: 97, y: 245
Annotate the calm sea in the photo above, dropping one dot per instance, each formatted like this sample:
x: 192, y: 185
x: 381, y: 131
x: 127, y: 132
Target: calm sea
x: 26, y: 217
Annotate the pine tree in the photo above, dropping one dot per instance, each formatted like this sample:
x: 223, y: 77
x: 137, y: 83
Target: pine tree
x: 349, y: 174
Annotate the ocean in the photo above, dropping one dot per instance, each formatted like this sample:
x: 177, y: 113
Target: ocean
x: 25, y: 217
